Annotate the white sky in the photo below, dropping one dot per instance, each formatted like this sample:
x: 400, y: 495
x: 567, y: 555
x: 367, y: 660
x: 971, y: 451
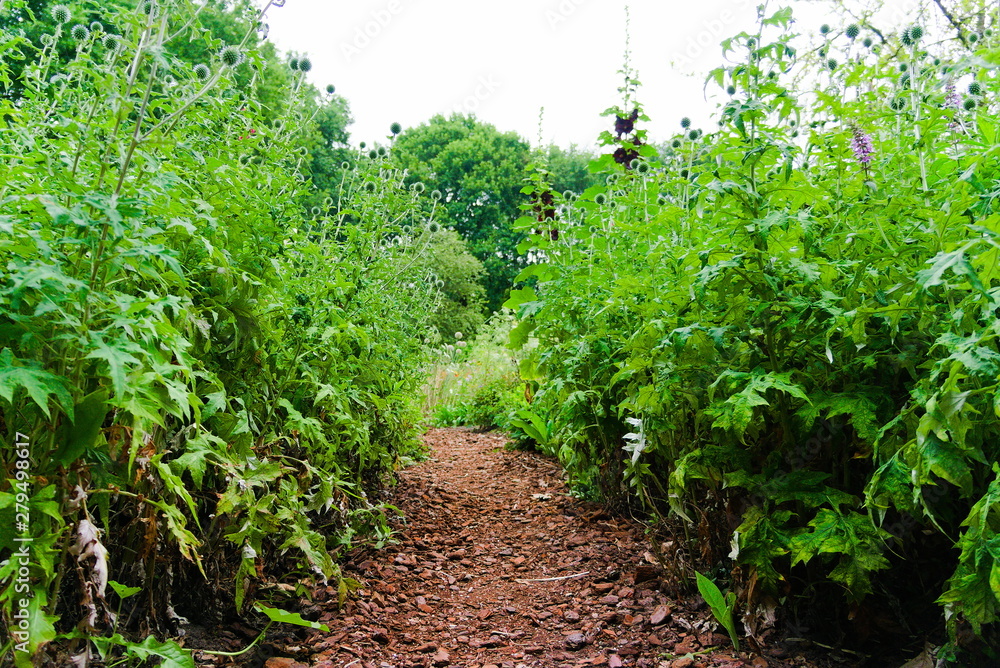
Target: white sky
x: 406, y: 60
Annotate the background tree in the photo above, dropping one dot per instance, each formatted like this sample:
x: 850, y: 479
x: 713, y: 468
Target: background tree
x: 568, y: 168
x: 460, y: 274
x: 478, y: 170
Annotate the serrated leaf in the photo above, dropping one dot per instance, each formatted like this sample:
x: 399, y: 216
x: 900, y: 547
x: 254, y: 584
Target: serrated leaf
x: 38, y: 383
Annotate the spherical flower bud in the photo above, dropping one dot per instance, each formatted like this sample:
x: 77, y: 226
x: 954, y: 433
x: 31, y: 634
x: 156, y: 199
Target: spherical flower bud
x: 372, y: 154
x: 600, y: 198
x: 685, y: 122
x: 61, y: 14
x: 201, y: 71
x: 969, y: 104
x: 305, y: 65
x: 436, y: 194
x: 458, y: 335
x: 439, y: 283
x: 731, y: 90
x: 633, y: 164
x: 230, y: 56
x: 897, y: 103
x: 822, y: 52
x: 433, y: 228
x: 824, y: 29
x: 362, y: 145
x: 642, y: 167
x: 692, y: 135
x: 111, y: 42
x: 853, y: 31
x: 795, y: 133
x: 395, y: 128
x: 904, y: 81
x: 331, y: 89
x: 96, y: 26
x: 569, y: 195
x: 345, y: 165
x: 684, y: 173
x: 293, y: 64
x: 867, y: 42
x: 370, y: 186
x: 916, y: 32
x: 903, y: 67
x: 975, y: 88
x: 751, y: 42
x: 79, y: 32
x: 382, y: 152
x: 973, y: 38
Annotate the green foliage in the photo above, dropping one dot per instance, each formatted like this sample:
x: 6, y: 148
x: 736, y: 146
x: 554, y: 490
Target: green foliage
x: 464, y: 299
x: 722, y: 606
x: 209, y: 382
x: 477, y: 171
x: 785, y: 331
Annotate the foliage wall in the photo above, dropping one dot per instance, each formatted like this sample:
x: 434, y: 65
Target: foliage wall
x: 785, y: 334
x: 206, y: 382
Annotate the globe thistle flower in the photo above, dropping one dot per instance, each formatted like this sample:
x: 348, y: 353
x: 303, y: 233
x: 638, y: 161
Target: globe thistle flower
x: 382, y: 151
x: 731, y: 90
x: 111, y: 42
x: 61, y: 14
x: 436, y: 195
x: 862, y: 146
x: 79, y: 32
x: 853, y: 31
x: 975, y: 88
x: 231, y: 56
x: 916, y: 33
x: 146, y: 7
x: 417, y: 187
x: 642, y: 167
x: 824, y: 29
x: 201, y: 71
x: 433, y: 227
x: 600, y: 198
x: 831, y: 64
x: 395, y: 128
x: 867, y: 42
x: 331, y: 89
x: 685, y: 122
x: 685, y: 173
x: 970, y: 103
x: 363, y: 145
x: 459, y: 335
x: 897, y: 103
x: 693, y: 134
x: 973, y: 38
x: 345, y: 165
x: 305, y: 65
x: 293, y: 64
x: 370, y: 186
x: 96, y: 26
x: 675, y: 143
x: 904, y: 81
x: 903, y: 67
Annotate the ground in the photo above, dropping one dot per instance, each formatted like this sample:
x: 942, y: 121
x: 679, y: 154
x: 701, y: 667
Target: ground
x: 497, y: 566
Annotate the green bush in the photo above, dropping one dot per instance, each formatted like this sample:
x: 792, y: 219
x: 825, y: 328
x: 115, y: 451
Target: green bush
x: 785, y: 333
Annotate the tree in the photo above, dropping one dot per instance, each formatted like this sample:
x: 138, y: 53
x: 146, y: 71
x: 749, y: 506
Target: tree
x: 568, y: 168
x: 478, y: 171
x: 460, y: 273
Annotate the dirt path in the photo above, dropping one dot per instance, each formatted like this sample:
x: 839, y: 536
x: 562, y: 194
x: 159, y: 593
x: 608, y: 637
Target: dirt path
x: 499, y: 567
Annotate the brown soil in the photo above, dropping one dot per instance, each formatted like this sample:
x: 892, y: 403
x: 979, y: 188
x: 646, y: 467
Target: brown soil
x: 498, y: 567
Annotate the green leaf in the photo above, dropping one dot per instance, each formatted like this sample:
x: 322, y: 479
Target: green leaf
x: 122, y: 590
x: 286, y: 617
x: 77, y: 438
x: 172, y: 654
x: 39, y: 384
x: 118, y: 362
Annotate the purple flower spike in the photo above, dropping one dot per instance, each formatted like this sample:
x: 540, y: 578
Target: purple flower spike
x: 862, y: 146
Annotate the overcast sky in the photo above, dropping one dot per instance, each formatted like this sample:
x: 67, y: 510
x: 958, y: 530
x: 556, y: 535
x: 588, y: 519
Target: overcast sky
x: 406, y: 60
